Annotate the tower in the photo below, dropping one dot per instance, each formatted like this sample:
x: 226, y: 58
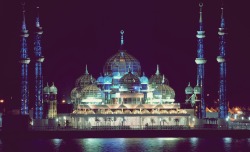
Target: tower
x: 52, y: 110
x: 200, y: 61
x: 24, y: 61
x: 223, y: 109
x: 38, y: 114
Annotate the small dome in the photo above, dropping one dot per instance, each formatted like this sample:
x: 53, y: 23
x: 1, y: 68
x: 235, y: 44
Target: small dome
x: 197, y: 89
x: 165, y: 90
x: 91, y: 91
x: 75, y: 93
x: 107, y: 79
x: 85, y: 80
x: 144, y: 79
x: 100, y: 80
x: 158, y: 78
x: 53, y: 89
x: 130, y: 79
x: 46, y: 89
x: 189, y: 89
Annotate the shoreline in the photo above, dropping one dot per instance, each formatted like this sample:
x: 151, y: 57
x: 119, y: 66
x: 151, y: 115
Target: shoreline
x: 124, y: 134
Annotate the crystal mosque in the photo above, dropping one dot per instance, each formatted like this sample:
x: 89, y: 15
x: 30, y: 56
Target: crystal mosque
x: 122, y: 95
x: 122, y: 83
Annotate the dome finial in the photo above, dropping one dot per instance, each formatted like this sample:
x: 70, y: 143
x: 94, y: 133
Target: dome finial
x: 189, y: 84
x: 157, y: 70
x: 200, y: 5
x: 163, y: 79
x: 86, y: 70
x: 122, y: 41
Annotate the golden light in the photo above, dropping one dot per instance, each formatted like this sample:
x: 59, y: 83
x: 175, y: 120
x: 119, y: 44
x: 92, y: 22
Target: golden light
x: 1, y: 101
x: 63, y: 101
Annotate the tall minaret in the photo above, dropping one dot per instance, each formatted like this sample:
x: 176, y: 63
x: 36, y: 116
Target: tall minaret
x: 24, y: 61
x: 223, y: 108
x: 200, y: 61
x: 38, y: 113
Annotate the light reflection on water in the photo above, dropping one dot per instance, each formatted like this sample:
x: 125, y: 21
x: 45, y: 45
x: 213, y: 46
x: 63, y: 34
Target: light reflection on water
x: 128, y: 144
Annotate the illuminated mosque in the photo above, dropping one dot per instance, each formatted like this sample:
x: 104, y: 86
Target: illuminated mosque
x: 122, y: 83
x: 122, y: 95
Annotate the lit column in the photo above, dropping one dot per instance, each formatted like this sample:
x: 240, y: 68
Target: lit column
x: 24, y: 61
x: 223, y: 107
x: 38, y: 113
x: 200, y: 61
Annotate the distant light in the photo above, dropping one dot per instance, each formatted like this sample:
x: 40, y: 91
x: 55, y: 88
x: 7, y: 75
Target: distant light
x: 193, y: 119
x: 208, y: 94
x: 248, y: 118
x: 235, y: 116
x: 242, y: 118
x: 1, y: 101
x: 64, y: 118
x: 56, y: 119
x: 63, y: 101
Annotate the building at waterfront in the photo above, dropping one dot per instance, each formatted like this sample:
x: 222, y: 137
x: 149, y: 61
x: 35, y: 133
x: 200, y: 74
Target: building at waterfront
x: 123, y: 94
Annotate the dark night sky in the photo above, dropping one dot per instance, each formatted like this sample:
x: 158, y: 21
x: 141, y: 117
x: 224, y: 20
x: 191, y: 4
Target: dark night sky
x: 156, y: 32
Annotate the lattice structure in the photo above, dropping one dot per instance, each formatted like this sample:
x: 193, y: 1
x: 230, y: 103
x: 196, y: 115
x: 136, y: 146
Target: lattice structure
x: 38, y: 113
x: 24, y: 61
x: 200, y: 61
x: 223, y: 107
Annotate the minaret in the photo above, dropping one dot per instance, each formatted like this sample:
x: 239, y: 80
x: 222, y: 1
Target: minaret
x: 223, y: 109
x: 38, y: 113
x: 24, y: 61
x: 200, y: 61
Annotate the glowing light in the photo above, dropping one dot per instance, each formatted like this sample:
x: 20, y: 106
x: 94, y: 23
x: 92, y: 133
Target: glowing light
x: 1, y: 101
x: 63, y: 101
x: 235, y: 116
x: 242, y: 118
x: 193, y: 119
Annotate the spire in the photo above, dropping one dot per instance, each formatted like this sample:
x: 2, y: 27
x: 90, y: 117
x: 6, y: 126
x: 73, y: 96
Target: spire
x: 23, y: 24
x: 143, y: 74
x: 200, y: 21
x: 163, y: 79
x: 189, y: 84
x: 37, y: 17
x: 222, y: 23
x: 122, y: 41
x: 86, y: 70
x: 157, y: 70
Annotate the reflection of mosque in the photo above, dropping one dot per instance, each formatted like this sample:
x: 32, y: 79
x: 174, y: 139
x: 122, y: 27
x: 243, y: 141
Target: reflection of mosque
x: 122, y: 83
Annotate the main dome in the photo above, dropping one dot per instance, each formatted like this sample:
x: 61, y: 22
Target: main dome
x: 120, y: 63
